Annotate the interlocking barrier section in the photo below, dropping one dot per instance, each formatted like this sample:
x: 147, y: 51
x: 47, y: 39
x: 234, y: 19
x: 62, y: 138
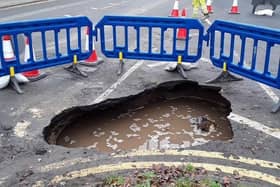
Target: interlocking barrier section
x: 258, y: 55
x: 57, y: 41
x: 247, y: 50
x: 149, y: 38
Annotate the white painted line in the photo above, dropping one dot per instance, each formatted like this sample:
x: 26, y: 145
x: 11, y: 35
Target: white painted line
x: 255, y: 125
x: 116, y: 84
x: 269, y: 92
x: 3, y: 179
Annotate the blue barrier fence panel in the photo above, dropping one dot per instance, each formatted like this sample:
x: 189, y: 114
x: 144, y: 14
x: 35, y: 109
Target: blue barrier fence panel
x: 55, y: 42
x: 150, y: 38
x: 250, y: 51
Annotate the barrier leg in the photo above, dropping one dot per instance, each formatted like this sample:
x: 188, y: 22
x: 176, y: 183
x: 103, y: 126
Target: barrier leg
x: 13, y: 81
x: 276, y: 107
x: 225, y: 76
x: 121, y: 64
x: 74, y: 68
x: 180, y: 68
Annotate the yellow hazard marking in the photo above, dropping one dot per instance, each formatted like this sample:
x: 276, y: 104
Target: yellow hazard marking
x: 133, y: 165
x: 204, y: 154
x: 12, y: 71
x: 179, y: 59
x: 225, y: 66
x: 190, y: 153
x: 75, y: 59
x: 120, y: 56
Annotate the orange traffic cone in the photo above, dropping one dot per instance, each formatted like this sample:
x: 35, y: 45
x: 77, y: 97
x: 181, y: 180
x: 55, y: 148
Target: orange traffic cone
x: 93, y: 59
x: 33, y: 75
x: 209, y: 6
x: 14, y: 78
x: 234, y: 8
x: 7, y: 48
x: 182, y: 32
x: 175, y: 10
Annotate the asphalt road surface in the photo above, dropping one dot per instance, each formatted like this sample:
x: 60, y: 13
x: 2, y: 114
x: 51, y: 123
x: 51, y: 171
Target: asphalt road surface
x: 26, y: 159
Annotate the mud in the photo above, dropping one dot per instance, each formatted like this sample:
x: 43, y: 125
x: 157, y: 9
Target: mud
x: 164, y: 117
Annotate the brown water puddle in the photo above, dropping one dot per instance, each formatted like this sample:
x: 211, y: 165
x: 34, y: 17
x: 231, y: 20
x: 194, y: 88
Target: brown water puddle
x: 165, y: 117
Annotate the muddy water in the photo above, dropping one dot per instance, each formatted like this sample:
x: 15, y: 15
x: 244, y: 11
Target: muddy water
x: 165, y: 125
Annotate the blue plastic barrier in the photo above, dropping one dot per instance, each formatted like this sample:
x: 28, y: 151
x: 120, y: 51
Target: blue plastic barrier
x: 139, y: 24
x: 41, y: 27
x: 223, y: 37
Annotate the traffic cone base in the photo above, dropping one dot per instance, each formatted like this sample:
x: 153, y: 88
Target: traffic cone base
x: 174, y: 13
x: 234, y: 10
x: 93, y: 59
x: 33, y: 75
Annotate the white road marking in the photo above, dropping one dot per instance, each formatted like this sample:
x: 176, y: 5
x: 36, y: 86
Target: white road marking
x: 118, y: 82
x: 256, y: 125
x: 269, y: 92
x: 3, y: 179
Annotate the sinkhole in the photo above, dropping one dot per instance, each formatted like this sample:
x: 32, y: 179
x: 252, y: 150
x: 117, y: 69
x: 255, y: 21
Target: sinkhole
x: 172, y: 115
